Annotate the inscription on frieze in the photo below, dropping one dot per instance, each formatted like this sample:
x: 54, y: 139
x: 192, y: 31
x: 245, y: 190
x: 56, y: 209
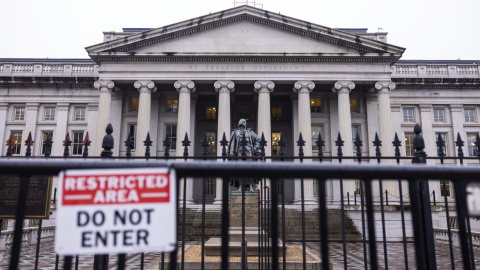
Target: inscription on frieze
x: 246, y: 67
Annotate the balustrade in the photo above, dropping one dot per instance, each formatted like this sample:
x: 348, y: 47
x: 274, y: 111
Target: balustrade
x: 1, y: 68
x: 23, y: 68
x: 52, y: 68
x: 83, y: 68
x: 437, y: 69
x: 467, y: 70
x: 406, y: 69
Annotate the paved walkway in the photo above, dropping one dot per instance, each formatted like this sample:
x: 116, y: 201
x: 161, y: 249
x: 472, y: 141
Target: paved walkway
x: 396, y: 259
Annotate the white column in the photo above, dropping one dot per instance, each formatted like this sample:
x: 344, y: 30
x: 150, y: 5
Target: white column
x: 343, y: 89
x: 3, y: 120
x: 224, y: 88
x: 384, y: 117
x: 61, y: 129
x: 458, y: 118
x: 184, y: 88
x: 372, y: 123
x: 144, y: 109
x: 91, y: 124
x: 264, y: 121
x: 303, y: 88
x: 385, y: 130
x: 427, y: 131
x: 116, y: 119
x: 104, y: 103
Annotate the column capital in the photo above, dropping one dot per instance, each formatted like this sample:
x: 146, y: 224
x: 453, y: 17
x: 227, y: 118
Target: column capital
x: 456, y: 107
x: 343, y: 87
x: 303, y: 87
x: 384, y: 87
x: 3, y: 106
x: 32, y: 106
x: 145, y: 86
x: 184, y: 86
x: 425, y: 107
x: 104, y: 85
x: 224, y: 86
x: 263, y: 86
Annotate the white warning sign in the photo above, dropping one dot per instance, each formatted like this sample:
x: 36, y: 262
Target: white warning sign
x: 116, y: 211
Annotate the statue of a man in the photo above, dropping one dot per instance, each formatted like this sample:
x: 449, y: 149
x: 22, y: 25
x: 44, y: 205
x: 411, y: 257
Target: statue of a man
x: 251, y: 148
x: 252, y: 145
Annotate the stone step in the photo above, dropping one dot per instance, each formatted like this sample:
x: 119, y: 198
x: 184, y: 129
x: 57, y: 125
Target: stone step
x: 213, y: 247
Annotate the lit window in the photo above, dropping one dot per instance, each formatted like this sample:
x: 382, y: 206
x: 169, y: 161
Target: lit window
x: 19, y: 114
x: 132, y: 129
x: 172, y: 132
x: 444, y: 138
x: 446, y: 188
x: 409, y: 144
x: 133, y: 104
x: 316, y: 105
x: 49, y: 114
x: 77, y: 143
x: 408, y: 115
x: 211, y: 113
x: 354, y: 108
x: 44, y: 138
x: 438, y: 115
x: 469, y: 115
x: 277, y: 113
x: 316, y: 129
x: 212, y: 140
x: 275, y: 146
x: 79, y: 114
x: 472, y: 148
x: 17, y: 142
x: 172, y: 105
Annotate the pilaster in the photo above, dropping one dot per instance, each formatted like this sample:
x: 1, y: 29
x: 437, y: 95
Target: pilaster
x: 427, y: 131
x: 61, y: 129
x: 458, y: 118
x: 3, y: 120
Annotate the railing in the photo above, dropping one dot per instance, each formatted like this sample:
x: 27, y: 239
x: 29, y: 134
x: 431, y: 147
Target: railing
x: 53, y: 68
x: 83, y: 68
x: 467, y: 70
x: 437, y: 69
x: 22, y: 68
x: 402, y: 69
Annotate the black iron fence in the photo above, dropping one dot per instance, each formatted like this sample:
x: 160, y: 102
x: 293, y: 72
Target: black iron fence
x: 272, y: 215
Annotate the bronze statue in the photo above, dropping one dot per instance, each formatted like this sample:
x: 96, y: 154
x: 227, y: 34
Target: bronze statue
x: 243, y: 143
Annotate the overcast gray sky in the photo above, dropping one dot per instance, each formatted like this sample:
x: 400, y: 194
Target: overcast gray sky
x: 428, y: 29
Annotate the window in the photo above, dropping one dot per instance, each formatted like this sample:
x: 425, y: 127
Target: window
x: 211, y: 113
x: 49, y: 114
x: 212, y: 143
x: 446, y: 188
x: 77, y: 143
x: 275, y: 146
x: 172, y: 105
x: 409, y: 144
x: 438, y: 115
x: 132, y: 130
x: 354, y: 108
x: 355, y: 131
x: 210, y: 186
x: 316, y: 129
x: 172, y: 132
x: 472, y: 148
x: 17, y: 142
x: 133, y: 104
x: 316, y: 105
x: 277, y: 113
x: 408, y: 115
x: 315, y: 187
x: 469, y: 115
x: 79, y: 114
x: 444, y: 138
x: 19, y: 114
x: 44, y: 138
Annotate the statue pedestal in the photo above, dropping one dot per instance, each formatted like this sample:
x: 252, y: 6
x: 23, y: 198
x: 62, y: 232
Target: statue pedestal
x: 251, y: 209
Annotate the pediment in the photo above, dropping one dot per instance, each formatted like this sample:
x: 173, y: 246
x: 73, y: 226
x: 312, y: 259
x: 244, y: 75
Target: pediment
x: 243, y: 31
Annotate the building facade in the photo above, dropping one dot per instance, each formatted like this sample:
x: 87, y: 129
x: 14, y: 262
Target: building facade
x: 200, y: 76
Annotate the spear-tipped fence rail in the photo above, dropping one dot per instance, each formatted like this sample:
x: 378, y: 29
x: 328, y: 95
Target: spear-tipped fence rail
x: 417, y: 176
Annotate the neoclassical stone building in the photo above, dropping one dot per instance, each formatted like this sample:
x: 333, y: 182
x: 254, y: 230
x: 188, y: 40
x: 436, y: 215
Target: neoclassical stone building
x: 202, y: 75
